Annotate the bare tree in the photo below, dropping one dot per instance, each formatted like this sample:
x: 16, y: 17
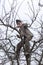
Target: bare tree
x: 8, y: 36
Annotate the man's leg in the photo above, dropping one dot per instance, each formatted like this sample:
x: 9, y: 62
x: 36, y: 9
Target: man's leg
x: 27, y: 48
x: 27, y: 52
x: 19, y: 45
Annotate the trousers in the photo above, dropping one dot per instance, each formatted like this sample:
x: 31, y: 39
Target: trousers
x: 26, y: 46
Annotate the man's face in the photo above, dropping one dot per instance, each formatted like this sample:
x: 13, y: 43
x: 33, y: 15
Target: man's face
x: 19, y: 24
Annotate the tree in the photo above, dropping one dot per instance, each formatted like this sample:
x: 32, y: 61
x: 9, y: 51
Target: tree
x: 8, y: 32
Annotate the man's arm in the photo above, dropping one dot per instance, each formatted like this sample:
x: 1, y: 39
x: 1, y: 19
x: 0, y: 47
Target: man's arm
x: 27, y: 32
x: 25, y: 25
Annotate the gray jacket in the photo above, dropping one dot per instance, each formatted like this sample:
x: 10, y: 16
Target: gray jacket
x: 24, y: 31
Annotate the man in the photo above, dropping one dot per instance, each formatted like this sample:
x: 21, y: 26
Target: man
x: 25, y: 35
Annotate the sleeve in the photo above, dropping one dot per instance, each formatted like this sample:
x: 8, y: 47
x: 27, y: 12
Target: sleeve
x: 25, y: 25
x: 28, y: 34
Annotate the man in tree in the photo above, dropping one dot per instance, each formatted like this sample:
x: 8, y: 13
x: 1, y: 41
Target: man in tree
x: 26, y: 36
